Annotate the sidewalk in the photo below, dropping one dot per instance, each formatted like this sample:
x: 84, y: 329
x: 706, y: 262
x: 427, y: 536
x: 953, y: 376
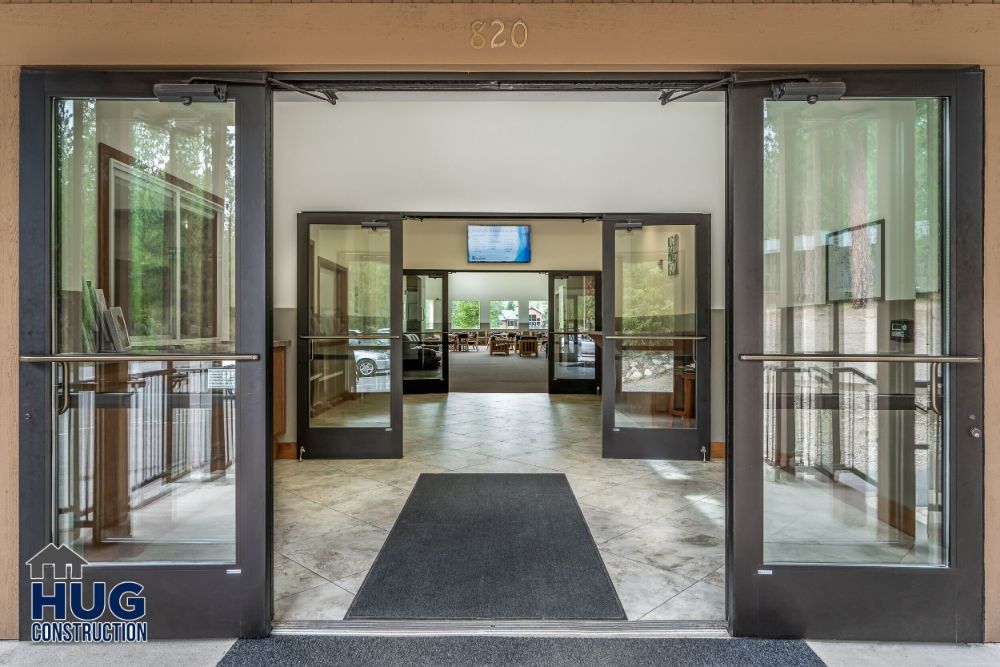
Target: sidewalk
x: 207, y: 653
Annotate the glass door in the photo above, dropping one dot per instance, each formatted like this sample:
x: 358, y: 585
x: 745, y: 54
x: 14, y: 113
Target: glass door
x: 350, y: 315
x: 857, y: 385
x: 655, y: 342
x: 574, y: 327
x: 145, y: 382
x: 425, y: 332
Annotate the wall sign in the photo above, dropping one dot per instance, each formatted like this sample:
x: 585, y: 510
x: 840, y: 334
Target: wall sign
x: 496, y: 34
x: 901, y: 331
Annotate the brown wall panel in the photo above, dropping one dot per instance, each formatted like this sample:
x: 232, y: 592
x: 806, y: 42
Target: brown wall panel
x: 9, y: 88
x: 437, y: 36
x: 991, y: 324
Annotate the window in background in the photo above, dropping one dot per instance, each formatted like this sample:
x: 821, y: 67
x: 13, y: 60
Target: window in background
x: 538, y: 314
x: 465, y: 314
x: 504, y: 314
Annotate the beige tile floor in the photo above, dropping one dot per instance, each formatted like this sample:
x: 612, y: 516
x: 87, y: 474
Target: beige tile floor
x: 659, y: 525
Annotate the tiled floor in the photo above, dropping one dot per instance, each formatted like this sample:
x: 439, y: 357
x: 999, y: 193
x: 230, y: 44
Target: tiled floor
x: 659, y: 525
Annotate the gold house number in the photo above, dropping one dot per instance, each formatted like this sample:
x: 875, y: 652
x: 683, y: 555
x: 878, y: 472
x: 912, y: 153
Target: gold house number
x: 517, y: 36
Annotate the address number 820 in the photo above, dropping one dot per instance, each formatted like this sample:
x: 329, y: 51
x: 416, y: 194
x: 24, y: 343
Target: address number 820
x: 496, y: 35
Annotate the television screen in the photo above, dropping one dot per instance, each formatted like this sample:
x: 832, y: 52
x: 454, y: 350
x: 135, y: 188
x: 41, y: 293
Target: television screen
x: 499, y: 243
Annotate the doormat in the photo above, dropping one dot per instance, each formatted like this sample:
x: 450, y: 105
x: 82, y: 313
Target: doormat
x: 485, y: 546
x: 304, y: 650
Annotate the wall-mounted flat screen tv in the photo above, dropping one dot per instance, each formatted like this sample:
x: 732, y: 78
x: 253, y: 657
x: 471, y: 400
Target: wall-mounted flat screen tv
x: 499, y: 244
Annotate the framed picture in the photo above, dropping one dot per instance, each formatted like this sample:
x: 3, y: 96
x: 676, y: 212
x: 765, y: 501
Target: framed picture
x: 855, y: 263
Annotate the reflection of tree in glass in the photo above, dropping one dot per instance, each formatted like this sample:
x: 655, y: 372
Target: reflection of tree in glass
x: 646, y: 307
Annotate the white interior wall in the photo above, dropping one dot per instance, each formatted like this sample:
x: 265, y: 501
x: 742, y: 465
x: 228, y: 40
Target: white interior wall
x: 500, y: 153
x: 496, y: 152
x: 510, y: 286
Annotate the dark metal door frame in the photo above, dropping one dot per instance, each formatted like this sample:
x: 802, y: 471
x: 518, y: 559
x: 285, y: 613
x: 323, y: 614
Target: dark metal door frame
x: 843, y: 601
x: 353, y: 442
x: 565, y: 385
x: 658, y: 443
x: 183, y: 600
x: 427, y: 386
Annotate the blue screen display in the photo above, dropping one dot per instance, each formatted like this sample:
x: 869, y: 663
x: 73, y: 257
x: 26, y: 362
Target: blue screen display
x: 499, y: 243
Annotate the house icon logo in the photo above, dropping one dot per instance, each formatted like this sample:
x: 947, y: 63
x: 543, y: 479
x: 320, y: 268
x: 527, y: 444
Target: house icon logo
x: 63, y: 562
x: 66, y: 608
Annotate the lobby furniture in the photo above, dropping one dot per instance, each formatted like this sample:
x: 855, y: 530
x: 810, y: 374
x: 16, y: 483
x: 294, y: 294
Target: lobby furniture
x: 527, y: 346
x: 499, y: 346
x: 683, y: 403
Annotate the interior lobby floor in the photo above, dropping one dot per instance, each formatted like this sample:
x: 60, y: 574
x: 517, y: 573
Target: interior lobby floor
x: 477, y: 371
x: 659, y: 525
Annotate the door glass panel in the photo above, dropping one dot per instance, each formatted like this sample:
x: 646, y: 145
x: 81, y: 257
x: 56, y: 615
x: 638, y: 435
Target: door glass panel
x: 854, y: 468
x: 655, y: 295
x: 423, y: 324
x: 349, y: 374
x: 574, y: 313
x: 144, y: 227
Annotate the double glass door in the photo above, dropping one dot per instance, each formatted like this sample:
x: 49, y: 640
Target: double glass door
x: 350, y: 354
x: 144, y: 447
x: 655, y: 336
x: 857, y: 384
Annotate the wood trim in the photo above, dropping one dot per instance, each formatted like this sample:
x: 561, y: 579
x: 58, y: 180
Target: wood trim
x: 285, y: 450
x: 718, y: 451
x: 991, y: 342
x: 9, y: 341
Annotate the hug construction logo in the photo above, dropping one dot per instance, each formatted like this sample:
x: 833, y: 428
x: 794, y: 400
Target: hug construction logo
x: 66, y: 609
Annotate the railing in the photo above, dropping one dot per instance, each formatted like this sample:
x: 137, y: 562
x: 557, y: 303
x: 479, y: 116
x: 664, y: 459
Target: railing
x: 828, y: 419
x: 174, y: 427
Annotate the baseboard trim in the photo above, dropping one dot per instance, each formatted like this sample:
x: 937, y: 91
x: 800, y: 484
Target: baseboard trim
x: 285, y: 450
x: 718, y: 451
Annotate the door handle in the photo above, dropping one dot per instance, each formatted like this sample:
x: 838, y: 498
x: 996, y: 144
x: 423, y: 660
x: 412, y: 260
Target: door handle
x: 97, y: 358
x: 862, y: 358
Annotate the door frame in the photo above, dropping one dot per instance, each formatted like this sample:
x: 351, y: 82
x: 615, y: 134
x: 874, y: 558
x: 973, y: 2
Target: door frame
x: 236, y: 596
x: 653, y: 443
x: 567, y: 386
x: 352, y: 442
x: 845, y: 601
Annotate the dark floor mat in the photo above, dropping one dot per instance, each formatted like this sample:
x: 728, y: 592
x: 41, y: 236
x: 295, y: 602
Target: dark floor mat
x: 470, y: 546
x: 445, y: 651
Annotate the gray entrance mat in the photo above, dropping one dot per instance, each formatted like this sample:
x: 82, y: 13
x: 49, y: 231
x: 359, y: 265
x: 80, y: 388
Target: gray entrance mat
x: 489, y: 546
x: 441, y: 651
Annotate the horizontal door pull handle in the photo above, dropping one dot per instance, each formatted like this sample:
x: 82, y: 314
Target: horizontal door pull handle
x: 358, y: 337
x: 655, y: 337
x: 98, y: 358
x: 864, y: 358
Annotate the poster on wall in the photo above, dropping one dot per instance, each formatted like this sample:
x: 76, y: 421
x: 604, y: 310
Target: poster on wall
x: 854, y: 263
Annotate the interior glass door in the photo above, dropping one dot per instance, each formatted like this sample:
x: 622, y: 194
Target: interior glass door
x: 350, y: 316
x: 866, y: 381
x: 655, y: 347
x: 144, y: 376
x: 425, y: 332
x: 574, y: 327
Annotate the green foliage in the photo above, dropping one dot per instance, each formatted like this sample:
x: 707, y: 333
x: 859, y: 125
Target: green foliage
x: 464, y: 314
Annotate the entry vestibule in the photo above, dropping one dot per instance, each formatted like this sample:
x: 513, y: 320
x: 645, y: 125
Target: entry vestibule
x: 488, y: 433
x: 960, y: 399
